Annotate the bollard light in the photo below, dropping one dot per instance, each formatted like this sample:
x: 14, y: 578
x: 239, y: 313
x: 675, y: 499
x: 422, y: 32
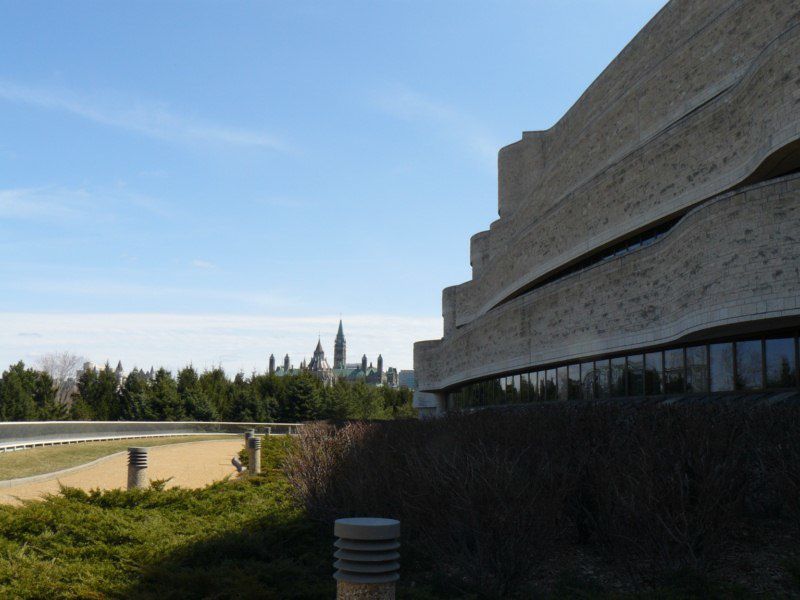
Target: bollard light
x: 254, y: 455
x: 247, y: 435
x: 367, y: 564
x: 137, y: 468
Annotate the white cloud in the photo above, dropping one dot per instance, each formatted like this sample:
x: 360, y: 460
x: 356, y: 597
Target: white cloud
x: 110, y: 289
x: 409, y: 105
x: 152, y: 120
x: 203, y: 264
x: 51, y: 203
x: 237, y: 342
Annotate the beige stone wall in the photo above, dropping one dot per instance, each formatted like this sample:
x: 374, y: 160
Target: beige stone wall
x: 609, y: 181
x: 733, y: 259
x: 700, y: 97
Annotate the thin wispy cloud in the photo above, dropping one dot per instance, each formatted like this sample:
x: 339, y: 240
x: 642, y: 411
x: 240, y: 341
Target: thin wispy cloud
x: 59, y: 204
x: 465, y: 130
x: 237, y: 342
x: 149, y: 119
x: 113, y: 290
x: 198, y: 263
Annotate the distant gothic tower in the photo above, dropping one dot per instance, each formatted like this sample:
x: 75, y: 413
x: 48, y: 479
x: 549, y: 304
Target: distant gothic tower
x: 286, y: 364
x: 364, y: 363
x: 340, y: 349
x: 380, y: 365
x: 272, y: 364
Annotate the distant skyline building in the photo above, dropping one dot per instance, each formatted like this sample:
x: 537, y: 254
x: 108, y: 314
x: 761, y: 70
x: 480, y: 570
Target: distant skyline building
x: 341, y: 370
x: 340, y: 349
x: 407, y: 379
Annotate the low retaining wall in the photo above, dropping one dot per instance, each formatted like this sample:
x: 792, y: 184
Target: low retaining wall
x: 29, y: 434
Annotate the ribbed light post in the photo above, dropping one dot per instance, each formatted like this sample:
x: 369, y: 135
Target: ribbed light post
x: 137, y: 468
x: 247, y: 435
x: 254, y: 455
x: 367, y: 564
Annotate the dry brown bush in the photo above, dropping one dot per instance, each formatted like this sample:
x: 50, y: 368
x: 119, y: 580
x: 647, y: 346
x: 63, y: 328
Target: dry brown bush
x: 486, y: 496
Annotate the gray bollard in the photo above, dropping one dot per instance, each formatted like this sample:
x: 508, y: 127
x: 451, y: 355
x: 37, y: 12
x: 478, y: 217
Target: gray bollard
x: 368, y: 560
x: 247, y: 435
x: 137, y: 468
x: 254, y: 455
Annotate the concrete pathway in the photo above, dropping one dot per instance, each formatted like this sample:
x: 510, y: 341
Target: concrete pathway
x: 191, y: 465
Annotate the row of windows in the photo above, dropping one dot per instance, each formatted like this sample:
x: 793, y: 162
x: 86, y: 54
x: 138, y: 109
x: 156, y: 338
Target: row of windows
x: 752, y: 364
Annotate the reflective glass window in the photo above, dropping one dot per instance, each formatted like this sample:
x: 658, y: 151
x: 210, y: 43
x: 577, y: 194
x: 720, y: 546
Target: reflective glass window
x: 517, y: 389
x: 603, y: 378
x: 550, y: 384
x: 618, y: 377
x: 720, y: 370
x: 748, y: 365
x: 674, y: 374
x: 563, y: 383
x: 533, y: 379
x: 498, y: 391
x: 696, y: 369
x: 574, y: 382
x: 524, y: 395
x: 781, y: 368
x: 635, y: 375
x: 541, y: 385
x: 653, y: 374
x: 587, y: 381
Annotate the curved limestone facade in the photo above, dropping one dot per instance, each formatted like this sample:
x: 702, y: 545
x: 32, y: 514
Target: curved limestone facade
x: 663, y: 209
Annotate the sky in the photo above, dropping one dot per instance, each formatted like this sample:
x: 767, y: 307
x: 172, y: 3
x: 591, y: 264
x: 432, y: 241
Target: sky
x: 212, y: 182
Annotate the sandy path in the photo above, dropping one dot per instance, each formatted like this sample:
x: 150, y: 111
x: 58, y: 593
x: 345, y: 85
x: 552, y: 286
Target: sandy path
x: 191, y: 465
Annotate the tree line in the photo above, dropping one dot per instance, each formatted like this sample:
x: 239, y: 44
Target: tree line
x: 28, y: 394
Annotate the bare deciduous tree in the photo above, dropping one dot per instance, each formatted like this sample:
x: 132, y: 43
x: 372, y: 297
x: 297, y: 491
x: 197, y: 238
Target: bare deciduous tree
x: 61, y: 366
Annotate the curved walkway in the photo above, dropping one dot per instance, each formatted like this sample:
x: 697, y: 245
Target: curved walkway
x: 190, y: 464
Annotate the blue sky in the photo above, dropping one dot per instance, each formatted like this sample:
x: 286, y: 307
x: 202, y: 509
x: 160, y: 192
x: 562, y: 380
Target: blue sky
x: 210, y: 182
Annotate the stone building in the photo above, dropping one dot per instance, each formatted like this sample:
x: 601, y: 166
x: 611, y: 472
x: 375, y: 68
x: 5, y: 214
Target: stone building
x: 341, y: 370
x: 647, y: 244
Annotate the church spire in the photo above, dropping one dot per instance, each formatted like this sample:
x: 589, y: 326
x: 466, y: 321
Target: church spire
x: 340, y: 349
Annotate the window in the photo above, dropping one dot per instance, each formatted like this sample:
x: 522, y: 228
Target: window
x: 541, y: 385
x: 696, y: 369
x: 574, y: 382
x: 654, y: 373
x: 524, y: 388
x: 534, y: 387
x: 602, y: 378
x: 587, y: 381
x: 618, y: 377
x: 748, y: 365
x: 780, y: 359
x: 720, y: 372
x: 636, y: 375
x: 673, y: 371
x: 550, y: 384
x: 755, y: 364
x: 563, y: 383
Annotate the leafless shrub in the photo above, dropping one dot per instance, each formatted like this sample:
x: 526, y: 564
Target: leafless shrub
x: 488, y: 496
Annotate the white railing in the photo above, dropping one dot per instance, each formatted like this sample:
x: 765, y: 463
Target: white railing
x: 21, y: 435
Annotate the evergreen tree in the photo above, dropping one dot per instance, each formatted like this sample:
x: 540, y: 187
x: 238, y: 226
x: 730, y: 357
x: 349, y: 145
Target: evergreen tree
x: 98, y: 389
x: 135, y: 398
x: 302, y: 399
x: 366, y: 402
x: 216, y: 388
x: 165, y: 401
x: 17, y: 387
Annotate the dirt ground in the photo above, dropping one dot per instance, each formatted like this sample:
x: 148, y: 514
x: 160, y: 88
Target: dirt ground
x: 191, y: 465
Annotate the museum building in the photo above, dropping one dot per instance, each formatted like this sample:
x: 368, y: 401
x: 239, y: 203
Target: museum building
x: 648, y: 244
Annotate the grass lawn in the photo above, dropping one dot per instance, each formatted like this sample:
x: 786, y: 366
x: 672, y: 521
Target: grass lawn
x: 25, y: 463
